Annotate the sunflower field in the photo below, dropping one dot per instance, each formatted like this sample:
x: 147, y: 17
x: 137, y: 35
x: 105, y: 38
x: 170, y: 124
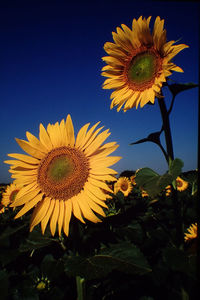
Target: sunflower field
x: 72, y: 228
x: 134, y: 249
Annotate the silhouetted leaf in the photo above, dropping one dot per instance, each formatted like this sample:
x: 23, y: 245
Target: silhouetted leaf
x: 176, y: 88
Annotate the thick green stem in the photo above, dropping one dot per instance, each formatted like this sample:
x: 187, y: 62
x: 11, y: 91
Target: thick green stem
x: 166, y: 128
x: 170, y: 156
x: 80, y: 286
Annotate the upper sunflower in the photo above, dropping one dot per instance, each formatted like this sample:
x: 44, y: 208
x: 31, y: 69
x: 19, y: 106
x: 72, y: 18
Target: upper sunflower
x: 138, y: 63
x: 62, y: 174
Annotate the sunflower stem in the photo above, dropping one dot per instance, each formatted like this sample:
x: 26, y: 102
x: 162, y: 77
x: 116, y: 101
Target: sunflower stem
x: 166, y: 128
x: 170, y: 156
x: 80, y: 286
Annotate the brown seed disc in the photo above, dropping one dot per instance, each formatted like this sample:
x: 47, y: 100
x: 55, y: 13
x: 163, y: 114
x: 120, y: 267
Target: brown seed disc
x: 137, y: 65
x: 63, y: 172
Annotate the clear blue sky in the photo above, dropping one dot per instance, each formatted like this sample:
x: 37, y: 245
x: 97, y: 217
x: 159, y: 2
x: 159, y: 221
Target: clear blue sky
x: 50, y: 65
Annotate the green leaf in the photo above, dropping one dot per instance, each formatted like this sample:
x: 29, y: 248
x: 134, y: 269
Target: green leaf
x: 123, y: 257
x: 35, y: 240
x: 176, y: 88
x: 175, y: 167
x: 152, y: 182
x: 11, y: 230
x: 145, y: 175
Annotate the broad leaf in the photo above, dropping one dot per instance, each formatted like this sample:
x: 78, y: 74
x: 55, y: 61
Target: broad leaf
x: 123, y: 257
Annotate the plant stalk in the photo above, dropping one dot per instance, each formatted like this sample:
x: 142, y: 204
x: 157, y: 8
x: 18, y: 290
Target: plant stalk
x: 170, y: 156
x: 80, y: 286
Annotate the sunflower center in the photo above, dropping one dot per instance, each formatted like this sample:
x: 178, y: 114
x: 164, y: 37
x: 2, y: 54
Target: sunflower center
x: 63, y: 172
x: 13, y: 195
x: 124, y: 186
x: 142, y: 67
x: 179, y: 183
x: 60, y: 168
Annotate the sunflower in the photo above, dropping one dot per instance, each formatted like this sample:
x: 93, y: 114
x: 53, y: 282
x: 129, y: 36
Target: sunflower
x: 124, y: 185
x: 10, y: 194
x: 192, y: 232
x: 132, y: 179
x: 138, y: 63
x: 63, y: 175
x: 2, y: 208
x: 181, y: 184
x: 144, y: 193
x: 168, y: 190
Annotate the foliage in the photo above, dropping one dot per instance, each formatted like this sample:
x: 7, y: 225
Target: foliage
x: 133, y: 249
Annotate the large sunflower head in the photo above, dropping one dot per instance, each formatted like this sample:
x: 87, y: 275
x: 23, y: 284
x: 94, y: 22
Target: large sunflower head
x: 10, y: 194
x: 63, y: 175
x: 138, y: 63
x: 123, y: 185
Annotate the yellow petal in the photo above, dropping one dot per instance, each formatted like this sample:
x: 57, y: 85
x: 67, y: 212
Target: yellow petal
x: 94, y: 198
x: 76, y: 209
x: 24, y: 158
x: 63, y: 131
x: 97, y: 142
x: 44, y: 138
x: 95, y: 207
x: 94, y: 190
x: 67, y: 216
x: 29, y: 205
x: 80, y: 139
x: 54, y: 217
x: 18, y: 163
x: 88, y: 135
x: 86, y: 210
x: 61, y: 216
x: 39, y: 212
x: 25, y: 198
x: 25, y: 189
x: 99, y: 183
x: 46, y: 218
x: 104, y: 161
x: 103, y: 177
x: 35, y: 143
x: 29, y: 149
x: 103, y: 171
x: 70, y: 131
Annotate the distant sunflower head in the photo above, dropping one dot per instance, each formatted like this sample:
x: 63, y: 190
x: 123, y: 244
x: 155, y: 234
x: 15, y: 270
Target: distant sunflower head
x: 191, y: 233
x: 168, y: 190
x: 132, y: 179
x: 138, y: 63
x: 144, y: 193
x: 63, y: 175
x: 8, y: 197
x: 181, y: 184
x: 124, y: 185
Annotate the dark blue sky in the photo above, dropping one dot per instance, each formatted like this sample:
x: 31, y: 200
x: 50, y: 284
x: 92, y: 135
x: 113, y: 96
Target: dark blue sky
x: 50, y: 58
